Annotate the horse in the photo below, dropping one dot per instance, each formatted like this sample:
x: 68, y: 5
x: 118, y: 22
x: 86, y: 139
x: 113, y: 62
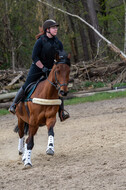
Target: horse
x: 36, y: 115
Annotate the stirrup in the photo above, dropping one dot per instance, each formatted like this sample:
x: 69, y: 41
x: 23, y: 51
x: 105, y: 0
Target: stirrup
x: 64, y: 116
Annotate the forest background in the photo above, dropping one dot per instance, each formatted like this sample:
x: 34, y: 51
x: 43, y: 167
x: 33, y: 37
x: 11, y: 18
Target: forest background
x: 20, y: 21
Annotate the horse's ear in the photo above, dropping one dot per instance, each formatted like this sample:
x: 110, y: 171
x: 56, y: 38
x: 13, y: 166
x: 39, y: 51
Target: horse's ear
x: 69, y: 55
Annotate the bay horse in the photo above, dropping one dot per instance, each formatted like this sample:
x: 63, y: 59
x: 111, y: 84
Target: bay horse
x: 35, y: 115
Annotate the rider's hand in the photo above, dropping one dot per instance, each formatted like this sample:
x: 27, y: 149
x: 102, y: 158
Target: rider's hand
x: 45, y: 70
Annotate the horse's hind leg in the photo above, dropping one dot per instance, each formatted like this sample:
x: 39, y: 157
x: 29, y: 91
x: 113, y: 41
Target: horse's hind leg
x: 29, y: 146
x: 21, y: 135
x: 27, y: 151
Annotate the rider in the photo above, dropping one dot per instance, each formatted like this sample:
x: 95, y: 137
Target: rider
x: 43, y: 56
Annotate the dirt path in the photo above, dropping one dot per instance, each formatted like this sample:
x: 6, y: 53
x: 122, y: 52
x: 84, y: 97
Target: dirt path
x: 90, y: 151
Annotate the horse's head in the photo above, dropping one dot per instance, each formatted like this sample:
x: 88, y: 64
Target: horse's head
x: 62, y: 72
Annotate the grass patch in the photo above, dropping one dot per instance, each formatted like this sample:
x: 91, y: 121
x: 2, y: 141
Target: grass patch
x: 94, y: 84
x: 119, y: 85
x: 96, y: 97
x: 4, y: 112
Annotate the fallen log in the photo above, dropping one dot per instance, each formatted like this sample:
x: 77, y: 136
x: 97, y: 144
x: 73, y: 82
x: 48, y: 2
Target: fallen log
x: 14, y: 86
x: 90, y: 93
x: 7, y: 96
x: 16, y: 79
x: 5, y: 105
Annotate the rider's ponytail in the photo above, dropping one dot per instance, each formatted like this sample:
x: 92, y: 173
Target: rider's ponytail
x: 41, y: 32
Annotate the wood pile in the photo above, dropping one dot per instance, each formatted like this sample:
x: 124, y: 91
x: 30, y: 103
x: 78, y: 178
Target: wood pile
x: 99, y: 71
x: 94, y: 71
x: 11, y: 81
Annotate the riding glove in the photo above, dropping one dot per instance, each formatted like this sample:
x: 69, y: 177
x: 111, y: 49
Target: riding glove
x: 45, y: 70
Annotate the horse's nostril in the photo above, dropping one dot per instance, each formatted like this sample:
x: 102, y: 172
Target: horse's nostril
x: 63, y: 93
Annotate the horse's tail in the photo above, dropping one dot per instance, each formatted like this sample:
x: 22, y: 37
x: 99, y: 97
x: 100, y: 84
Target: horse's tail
x: 26, y: 128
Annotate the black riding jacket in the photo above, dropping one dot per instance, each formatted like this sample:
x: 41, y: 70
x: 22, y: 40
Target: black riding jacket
x: 45, y: 49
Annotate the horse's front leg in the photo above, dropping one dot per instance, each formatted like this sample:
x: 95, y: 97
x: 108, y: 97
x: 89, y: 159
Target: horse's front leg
x: 21, y: 136
x: 29, y: 146
x: 50, y: 146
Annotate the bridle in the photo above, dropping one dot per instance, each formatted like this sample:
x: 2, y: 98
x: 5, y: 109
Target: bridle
x: 62, y: 59
x: 57, y: 84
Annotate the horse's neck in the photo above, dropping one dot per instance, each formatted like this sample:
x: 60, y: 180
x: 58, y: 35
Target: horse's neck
x: 48, y: 89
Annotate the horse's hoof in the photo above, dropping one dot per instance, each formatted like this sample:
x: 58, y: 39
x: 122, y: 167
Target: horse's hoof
x: 50, y: 152
x: 28, y: 165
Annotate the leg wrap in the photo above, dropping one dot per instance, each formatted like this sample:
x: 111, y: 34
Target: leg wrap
x: 21, y: 145
x: 50, y: 146
x: 24, y: 153
x: 27, y: 156
x: 50, y: 141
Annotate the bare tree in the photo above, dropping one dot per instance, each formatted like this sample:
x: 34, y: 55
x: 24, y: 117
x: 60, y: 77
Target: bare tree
x: 9, y: 36
x: 125, y: 27
x: 84, y: 42
x: 91, y: 17
x: 51, y: 13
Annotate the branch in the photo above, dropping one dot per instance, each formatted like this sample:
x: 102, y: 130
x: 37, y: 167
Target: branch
x: 111, y: 45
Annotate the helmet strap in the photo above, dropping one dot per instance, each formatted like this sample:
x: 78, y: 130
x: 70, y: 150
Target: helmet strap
x: 50, y: 32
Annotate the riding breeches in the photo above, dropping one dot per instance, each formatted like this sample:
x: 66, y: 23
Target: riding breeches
x: 34, y: 74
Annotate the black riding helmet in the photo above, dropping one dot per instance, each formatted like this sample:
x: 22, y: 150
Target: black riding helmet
x: 49, y: 23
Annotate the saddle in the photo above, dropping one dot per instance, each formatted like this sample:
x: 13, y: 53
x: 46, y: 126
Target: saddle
x: 31, y: 88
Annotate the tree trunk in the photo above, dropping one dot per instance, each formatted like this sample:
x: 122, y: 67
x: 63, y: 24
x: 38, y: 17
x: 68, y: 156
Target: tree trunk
x: 84, y: 43
x: 125, y: 27
x: 91, y: 17
x: 73, y: 40
x: 82, y: 31
x: 103, y: 12
x: 9, y: 37
x: 50, y: 12
x: 13, y: 59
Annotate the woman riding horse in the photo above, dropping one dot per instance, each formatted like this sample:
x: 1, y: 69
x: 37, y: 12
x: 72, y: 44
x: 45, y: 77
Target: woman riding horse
x: 43, y: 57
x: 35, y: 113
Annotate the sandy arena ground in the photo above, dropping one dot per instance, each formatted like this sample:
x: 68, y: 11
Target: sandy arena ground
x: 90, y: 151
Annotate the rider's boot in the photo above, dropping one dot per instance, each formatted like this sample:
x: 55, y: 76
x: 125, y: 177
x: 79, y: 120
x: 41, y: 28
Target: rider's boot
x: 19, y: 96
x: 63, y: 116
